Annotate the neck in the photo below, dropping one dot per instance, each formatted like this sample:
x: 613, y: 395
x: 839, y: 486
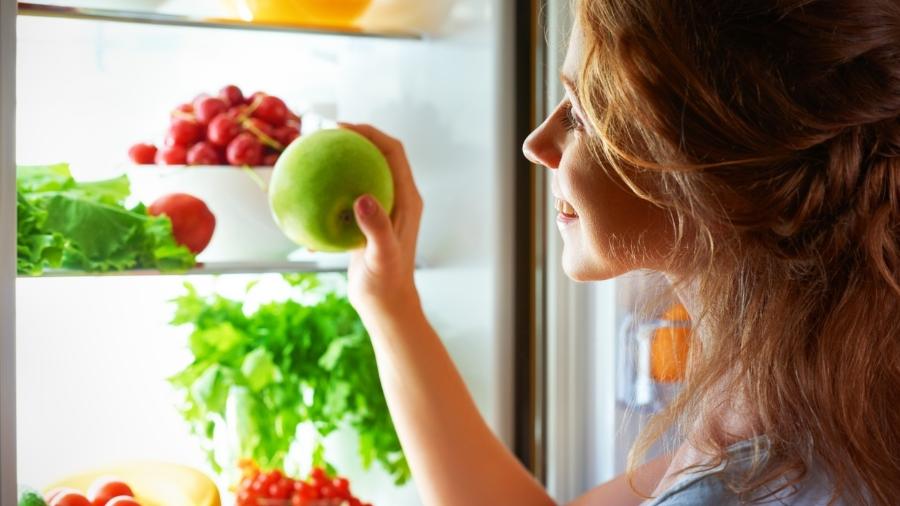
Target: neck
x: 732, y: 411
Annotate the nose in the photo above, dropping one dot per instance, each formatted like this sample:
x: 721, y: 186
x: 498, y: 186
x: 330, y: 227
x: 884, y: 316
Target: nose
x: 542, y: 147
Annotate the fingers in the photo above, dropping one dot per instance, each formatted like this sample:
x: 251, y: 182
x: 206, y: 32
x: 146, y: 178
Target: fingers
x: 407, y: 200
x: 393, y: 151
x: 381, y: 245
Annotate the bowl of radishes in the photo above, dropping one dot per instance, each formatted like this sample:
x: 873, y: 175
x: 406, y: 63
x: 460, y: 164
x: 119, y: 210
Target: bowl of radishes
x: 220, y: 149
x: 225, y: 129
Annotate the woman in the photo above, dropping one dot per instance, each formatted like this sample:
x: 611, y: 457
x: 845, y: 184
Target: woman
x: 751, y: 151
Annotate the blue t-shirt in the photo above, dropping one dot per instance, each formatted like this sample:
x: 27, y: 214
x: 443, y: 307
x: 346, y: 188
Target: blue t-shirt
x: 708, y: 487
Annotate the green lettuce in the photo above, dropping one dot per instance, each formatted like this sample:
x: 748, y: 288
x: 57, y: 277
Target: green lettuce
x: 85, y: 226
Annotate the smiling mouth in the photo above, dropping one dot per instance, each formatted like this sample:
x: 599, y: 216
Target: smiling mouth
x: 565, y: 209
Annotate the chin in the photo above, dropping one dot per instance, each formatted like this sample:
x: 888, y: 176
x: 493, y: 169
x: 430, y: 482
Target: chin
x: 579, y: 270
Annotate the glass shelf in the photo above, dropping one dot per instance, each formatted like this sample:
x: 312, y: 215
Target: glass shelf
x: 212, y: 268
x: 206, y: 269
x: 155, y: 18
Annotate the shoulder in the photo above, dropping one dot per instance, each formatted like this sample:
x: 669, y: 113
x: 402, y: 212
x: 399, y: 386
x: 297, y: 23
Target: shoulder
x: 708, y: 486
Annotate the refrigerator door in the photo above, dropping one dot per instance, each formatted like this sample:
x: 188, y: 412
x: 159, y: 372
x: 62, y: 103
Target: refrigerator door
x: 7, y: 253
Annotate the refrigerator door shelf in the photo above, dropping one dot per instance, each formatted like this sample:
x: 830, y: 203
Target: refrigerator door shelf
x: 637, y: 387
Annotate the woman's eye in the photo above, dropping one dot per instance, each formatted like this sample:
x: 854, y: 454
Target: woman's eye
x: 570, y: 119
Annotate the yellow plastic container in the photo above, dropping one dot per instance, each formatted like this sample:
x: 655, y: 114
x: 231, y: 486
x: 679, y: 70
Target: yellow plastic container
x: 333, y: 13
x: 153, y: 483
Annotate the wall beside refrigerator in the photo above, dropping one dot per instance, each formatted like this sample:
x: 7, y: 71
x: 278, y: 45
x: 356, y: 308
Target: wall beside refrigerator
x: 98, y: 349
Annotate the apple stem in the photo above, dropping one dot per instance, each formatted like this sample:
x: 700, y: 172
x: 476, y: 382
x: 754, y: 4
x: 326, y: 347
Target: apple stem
x: 346, y: 216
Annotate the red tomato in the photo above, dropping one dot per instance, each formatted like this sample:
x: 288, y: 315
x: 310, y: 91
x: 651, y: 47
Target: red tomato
x: 192, y: 222
x: 49, y: 496
x: 123, y: 500
x: 104, y: 489
x: 70, y: 498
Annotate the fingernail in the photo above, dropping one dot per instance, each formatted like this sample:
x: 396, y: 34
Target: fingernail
x: 343, y: 124
x: 366, y: 205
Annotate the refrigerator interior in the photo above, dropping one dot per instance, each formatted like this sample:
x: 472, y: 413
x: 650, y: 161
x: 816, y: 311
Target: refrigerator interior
x: 92, y: 353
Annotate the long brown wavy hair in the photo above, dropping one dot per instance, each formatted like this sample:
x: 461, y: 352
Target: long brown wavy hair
x: 770, y: 130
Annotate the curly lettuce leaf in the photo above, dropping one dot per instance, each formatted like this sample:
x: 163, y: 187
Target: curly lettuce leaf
x: 36, y: 248
x: 85, y: 226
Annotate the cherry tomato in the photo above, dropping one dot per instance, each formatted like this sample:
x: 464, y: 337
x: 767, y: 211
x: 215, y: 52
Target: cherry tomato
x: 341, y: 484
x: 70, y: 498
x: 49, y: 496
x: 123, y: 500
x: 104, y: 489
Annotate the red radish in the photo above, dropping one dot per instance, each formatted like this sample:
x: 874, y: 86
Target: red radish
x: 183, y: 111
x: 142, y: 154
x: 208, y: 108
x: 172, y: 155
x: 245, y: 149
x: 104, y: 489
x: 193, y: 223
x: 264, y: 132
x: 286, y: 134
x: 222, y: 129
x: 184, y: 132
x: 238, y: 112
x: 270, y: 159
x: 232, y: 95
x: 271, y: 110
x: 203, y: 153
x: 254, y: 97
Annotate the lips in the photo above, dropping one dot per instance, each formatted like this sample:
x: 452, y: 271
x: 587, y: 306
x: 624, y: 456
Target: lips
x: 565, y: 208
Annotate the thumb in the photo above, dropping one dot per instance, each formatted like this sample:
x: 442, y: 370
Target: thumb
x: 376, y: 226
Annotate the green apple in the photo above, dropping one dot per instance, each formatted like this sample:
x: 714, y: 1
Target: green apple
x: 315, y: 183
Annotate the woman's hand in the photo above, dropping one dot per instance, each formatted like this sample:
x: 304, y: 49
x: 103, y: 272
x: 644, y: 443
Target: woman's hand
x: 381, y: 274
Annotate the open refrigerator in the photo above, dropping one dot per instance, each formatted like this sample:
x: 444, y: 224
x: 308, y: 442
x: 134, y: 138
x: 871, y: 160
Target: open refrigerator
x: 564, y: 373
x: 86, y: 357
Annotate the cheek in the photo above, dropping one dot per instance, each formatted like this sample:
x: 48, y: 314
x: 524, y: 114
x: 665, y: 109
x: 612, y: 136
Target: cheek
x: 618, y: 231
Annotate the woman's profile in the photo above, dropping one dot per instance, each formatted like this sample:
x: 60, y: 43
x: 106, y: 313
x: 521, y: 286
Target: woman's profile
x: 751, y: 152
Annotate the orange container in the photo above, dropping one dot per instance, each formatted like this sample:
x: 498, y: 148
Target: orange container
x: 670, y: 346
x: 336, y: 13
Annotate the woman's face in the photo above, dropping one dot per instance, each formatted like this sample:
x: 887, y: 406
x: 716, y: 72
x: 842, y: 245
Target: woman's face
x: 607, y: 230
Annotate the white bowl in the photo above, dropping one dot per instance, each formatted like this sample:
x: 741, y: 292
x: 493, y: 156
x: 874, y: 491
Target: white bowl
x: 245, y: 229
